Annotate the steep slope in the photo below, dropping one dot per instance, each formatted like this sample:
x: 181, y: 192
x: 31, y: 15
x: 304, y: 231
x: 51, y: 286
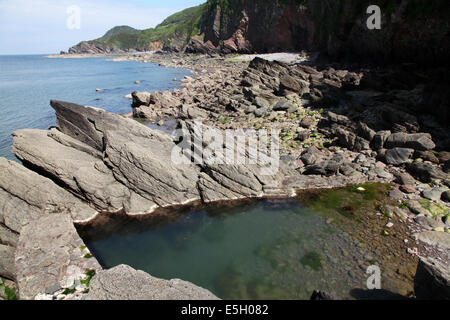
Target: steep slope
x: 173, y: 33
x: 411, y: 30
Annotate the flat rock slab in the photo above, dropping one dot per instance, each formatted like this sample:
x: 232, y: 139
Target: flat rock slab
x: 7, y: 262
x: 35, y: 195
x: 79, y: 171
x: 435, y: 238
x: 7, y: 237
x: 432, y: 280
x: 126, y: 283
x: 48, y: 255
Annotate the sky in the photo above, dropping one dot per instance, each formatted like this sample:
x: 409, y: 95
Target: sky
x: 49, y: 26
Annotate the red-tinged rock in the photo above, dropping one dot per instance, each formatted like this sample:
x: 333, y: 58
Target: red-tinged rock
x: 408, y: 189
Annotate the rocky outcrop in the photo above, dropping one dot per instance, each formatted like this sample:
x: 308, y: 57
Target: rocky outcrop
x: 435, y: 238
x: 135, y: 174
x: 126, y: 283
x: 418, y: 141
x: 50, y: 256
x: 432, y: 280
x: 35, y: 195
x: 116, y: 164
x: 7, y: 269
x: 339, y: 29
x: 155, y: 105
x: 81, y: 173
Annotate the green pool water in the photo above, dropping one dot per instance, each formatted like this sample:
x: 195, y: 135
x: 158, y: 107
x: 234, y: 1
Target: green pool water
x: 265, y: 249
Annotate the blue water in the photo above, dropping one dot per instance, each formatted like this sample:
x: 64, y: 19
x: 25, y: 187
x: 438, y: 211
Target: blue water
x: 28, y: 83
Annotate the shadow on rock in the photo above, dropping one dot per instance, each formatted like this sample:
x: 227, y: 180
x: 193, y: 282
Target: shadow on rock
x: 376, y: 294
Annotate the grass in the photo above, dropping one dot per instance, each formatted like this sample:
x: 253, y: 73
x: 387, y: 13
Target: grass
x: 89, y: 276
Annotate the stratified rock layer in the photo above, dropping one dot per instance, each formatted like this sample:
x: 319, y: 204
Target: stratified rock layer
x: 35, y: 195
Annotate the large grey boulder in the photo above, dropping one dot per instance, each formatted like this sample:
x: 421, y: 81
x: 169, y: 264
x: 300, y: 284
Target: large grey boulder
x: 404, y: 178
x: 311, y: 155
x: 262, y: 103
x: 398, y: 156
x: 89, y: 125
x: 26, y: 196
x: 365, y: 131
x: 140, y: 98
x: 425, y: 172
x: 139, y: 157
x: 416, y: 141
x: 50, y: 256
x: 291, y: 84
x: 145, y: 166
x: 82, y: 173
x: 282, y: 105
x: 432, y: 280
x: 338, y: 119
x: 125, y: 283
x: 379, y: 139
x: 434, y: 238
x: 346, y: 138
x: 325, y: 168
x: 7, y: 269
x: 238, y: 180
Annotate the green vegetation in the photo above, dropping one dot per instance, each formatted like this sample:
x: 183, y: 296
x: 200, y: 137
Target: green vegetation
x: 10, y: 294
x: 328, y: 16
x: 348, y: 202
x: 312, y: 259
x: 120, y: 30
x: 69, y: 291
x: 434, y: 209
x: 89, y: 276
x: 181, y: 26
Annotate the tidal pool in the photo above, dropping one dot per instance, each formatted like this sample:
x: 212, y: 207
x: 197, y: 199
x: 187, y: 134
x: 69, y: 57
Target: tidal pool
x: 259, y: 249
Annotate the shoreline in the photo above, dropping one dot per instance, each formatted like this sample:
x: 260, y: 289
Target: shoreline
x: 319, y: 149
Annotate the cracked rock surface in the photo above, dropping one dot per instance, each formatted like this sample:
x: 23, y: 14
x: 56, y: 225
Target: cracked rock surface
x: 49, y: 255
x: 126, y: 283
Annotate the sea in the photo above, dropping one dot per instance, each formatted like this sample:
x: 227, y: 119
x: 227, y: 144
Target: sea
x: 29, y: 82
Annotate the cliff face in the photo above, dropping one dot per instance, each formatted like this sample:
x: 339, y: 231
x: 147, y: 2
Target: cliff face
x: 411, y: 30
